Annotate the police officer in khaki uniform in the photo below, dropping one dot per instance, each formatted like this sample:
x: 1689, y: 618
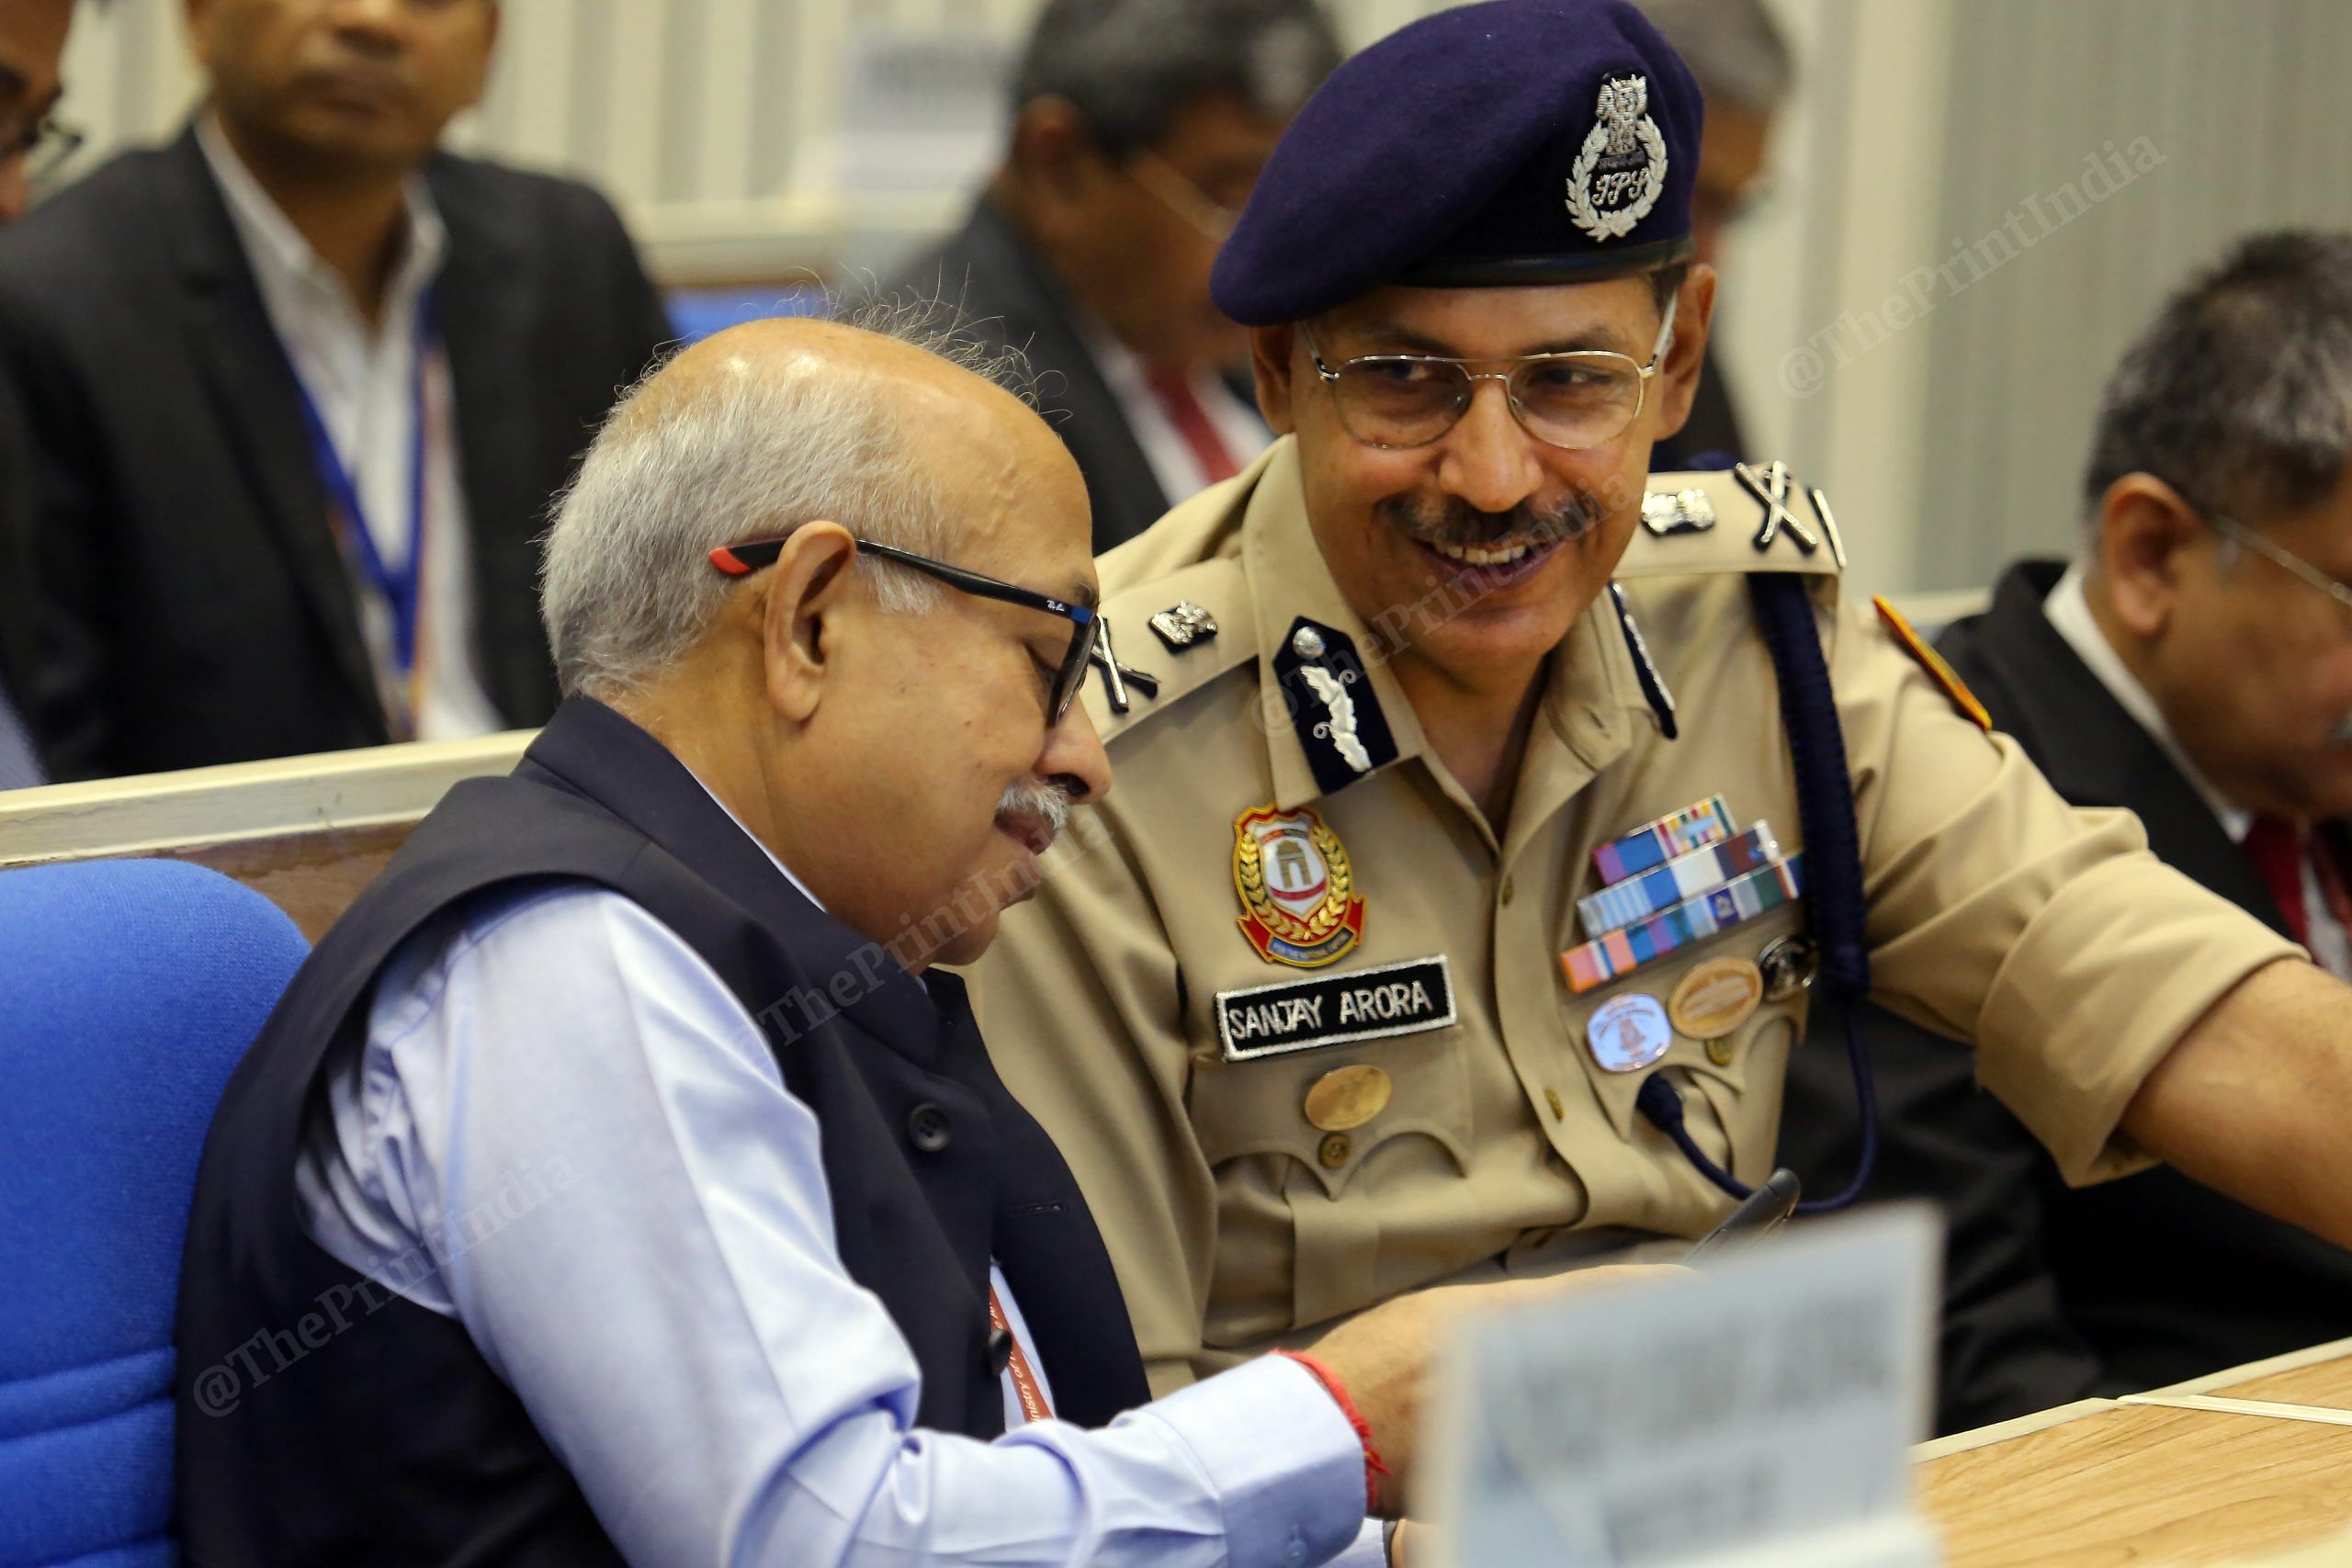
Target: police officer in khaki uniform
x: 1487, y: 813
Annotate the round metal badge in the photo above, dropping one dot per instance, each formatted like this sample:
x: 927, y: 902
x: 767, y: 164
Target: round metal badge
x: 1627, y: 1033
x: 1345, y: 1097
x: 1715, y: 997
x: 1788, y: 967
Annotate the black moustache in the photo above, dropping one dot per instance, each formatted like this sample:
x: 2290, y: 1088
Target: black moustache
x: 1459, y: 526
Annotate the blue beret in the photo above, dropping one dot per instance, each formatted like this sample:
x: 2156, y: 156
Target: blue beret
x: 1512, y: 142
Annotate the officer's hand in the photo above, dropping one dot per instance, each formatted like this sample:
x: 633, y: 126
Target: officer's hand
x: 1381, y: 1357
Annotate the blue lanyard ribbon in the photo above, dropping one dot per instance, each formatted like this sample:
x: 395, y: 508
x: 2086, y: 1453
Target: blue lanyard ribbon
x: 400, y: 590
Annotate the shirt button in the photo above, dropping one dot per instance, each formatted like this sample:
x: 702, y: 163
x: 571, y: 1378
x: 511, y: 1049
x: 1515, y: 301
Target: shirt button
x: 1510, y: 887
x: 1552, y: 1099
x: 1334, y: 1151
x: 929, y: 1129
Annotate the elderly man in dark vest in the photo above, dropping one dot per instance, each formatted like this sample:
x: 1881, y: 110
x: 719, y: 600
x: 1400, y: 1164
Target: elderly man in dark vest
x: 619, y: 1182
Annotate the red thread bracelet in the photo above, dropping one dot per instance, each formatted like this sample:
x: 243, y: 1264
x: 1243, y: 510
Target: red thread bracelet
x: 1373, y: 1467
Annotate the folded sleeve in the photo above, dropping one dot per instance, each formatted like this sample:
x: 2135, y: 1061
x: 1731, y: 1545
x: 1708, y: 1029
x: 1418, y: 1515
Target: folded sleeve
x: 2048, y: 935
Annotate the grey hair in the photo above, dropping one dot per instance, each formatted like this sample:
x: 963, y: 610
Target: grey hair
x: 1130, y: 65
x: 2239, y: 394
x: 1737, y: 52
x: 626, y: 584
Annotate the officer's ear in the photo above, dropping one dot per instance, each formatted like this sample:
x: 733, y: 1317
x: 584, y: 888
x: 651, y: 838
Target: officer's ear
x: 805, y: 626
x: 1677, y: 377
x: 1270, y: 352
x: 2147, y: 533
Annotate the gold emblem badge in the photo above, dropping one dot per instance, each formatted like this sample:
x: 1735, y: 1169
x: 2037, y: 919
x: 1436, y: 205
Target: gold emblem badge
x: 1299, y: 901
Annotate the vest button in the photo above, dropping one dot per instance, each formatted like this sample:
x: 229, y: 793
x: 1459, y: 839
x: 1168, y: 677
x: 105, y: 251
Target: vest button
x: 1334, y: 1151
x: 999, y: 1350
x: 929, y: 1129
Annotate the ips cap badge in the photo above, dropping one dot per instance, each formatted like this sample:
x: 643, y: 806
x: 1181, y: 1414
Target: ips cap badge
x: 1299, y: 901
x: 1621, y: 170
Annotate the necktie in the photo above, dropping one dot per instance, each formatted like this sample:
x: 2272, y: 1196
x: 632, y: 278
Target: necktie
x: 19, y: 765
x: 2335, y: 872
x: 1173, y: 391
x: 2278, y: 850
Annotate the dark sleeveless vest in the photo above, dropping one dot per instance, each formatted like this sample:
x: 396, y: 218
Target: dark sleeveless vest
x: 353, y: 1428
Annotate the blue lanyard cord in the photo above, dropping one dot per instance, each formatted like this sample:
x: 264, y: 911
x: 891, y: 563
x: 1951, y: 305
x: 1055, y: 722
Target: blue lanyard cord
x: 402, y: 590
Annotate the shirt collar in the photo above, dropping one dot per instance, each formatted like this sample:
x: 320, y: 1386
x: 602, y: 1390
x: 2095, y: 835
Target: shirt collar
x: 799, y: 886
x: 1589, y: 682
x: 285, y: 266
x: 2068, y: 609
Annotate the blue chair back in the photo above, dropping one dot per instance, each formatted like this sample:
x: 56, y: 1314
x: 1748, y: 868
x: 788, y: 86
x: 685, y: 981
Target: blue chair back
x: 127, y: 991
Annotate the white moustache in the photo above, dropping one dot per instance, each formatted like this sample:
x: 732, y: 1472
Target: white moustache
x: 1034, y: 801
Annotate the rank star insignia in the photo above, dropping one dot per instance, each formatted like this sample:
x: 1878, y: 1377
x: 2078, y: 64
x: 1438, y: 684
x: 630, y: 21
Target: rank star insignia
x: 1621, y: 170
x: 1299, y: 905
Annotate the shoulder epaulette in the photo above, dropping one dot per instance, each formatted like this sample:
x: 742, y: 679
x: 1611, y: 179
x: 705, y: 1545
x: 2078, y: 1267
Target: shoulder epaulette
x: 1182, y: 630
x: 1754, y: 517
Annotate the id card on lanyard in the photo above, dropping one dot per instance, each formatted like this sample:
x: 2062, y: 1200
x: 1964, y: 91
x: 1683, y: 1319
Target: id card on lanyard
x: 402, y: 590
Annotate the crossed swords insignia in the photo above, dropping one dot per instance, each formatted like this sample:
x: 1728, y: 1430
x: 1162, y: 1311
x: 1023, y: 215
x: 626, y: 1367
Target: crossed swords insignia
x: 1770, y: 486
x: 1118, y: 677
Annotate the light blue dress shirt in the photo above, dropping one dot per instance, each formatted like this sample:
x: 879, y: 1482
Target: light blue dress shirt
x: 564, y: 1132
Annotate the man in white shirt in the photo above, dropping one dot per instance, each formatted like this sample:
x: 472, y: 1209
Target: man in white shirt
x: 298, y: 389
x: 1138, y: 128
x: 619, y: 1181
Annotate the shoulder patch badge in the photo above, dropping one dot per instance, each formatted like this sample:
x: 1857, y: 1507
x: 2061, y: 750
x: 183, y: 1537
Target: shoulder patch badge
x: 1299, y: 905
x: 1945, y: 677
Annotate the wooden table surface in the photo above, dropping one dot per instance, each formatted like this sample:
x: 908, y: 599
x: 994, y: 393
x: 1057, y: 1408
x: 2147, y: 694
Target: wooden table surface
x: 2126, y: 1483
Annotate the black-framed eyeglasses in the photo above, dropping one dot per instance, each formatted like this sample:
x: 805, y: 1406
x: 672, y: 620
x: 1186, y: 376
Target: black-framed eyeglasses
x: 1574, y: 401
x: 2295, y: 565
x: 741, y: 560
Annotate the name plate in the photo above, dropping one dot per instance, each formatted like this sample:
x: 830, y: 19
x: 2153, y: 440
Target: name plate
x: 1758, y: 1414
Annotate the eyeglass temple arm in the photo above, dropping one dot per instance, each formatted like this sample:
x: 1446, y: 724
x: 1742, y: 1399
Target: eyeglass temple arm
x: 973, y: 583
x: 1665, y: 334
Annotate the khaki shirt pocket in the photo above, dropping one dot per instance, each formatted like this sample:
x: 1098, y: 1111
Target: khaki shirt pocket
x: 1260, y: 1108
x: 1299, y: 1207
x: 1731, y: 1084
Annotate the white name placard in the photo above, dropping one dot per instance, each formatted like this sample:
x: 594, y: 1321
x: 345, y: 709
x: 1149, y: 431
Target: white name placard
x: 1757, y: 1414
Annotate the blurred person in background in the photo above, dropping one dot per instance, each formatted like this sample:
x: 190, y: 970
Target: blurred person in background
x: 2193, y: 664
x: 1745, y: 71
x: 1139, y: 127
x: 32, y: 141
x: 297, y: 389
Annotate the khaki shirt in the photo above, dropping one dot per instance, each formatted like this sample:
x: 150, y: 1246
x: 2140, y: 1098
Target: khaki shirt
x: 2049, y: 936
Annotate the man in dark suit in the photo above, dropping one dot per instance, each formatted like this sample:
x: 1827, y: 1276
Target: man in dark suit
x: 1139, y: 127
x: 32, y: 43
x: 298, y: 389
x: 2193, y: 666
